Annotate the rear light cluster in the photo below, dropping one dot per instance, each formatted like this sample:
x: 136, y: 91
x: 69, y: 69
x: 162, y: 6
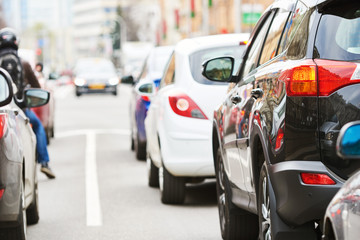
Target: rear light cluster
x: 279, y: 139
x: 2, y: 190
x: 243, y: 43
x: 317, y: 179
x: 3, y: 124
x: 184, y: 106
x: 145, y: 98
x: 319, y: 77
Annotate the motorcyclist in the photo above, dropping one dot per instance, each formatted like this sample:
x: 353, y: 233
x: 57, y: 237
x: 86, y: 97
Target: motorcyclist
x: 8, y: 39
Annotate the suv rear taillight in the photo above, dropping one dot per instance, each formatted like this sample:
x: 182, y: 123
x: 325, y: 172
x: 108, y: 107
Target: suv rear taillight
x: 319, y: 77
x: 300, y: 79
x: 3, y: 124
x: 184, y: 106
x: 334, y: 75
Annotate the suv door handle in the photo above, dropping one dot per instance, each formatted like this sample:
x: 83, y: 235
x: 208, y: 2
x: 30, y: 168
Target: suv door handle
x: 235, y: 99
x: 257, y: 93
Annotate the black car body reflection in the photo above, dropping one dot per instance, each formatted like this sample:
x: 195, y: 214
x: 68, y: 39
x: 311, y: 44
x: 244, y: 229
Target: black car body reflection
x: 274, y: 136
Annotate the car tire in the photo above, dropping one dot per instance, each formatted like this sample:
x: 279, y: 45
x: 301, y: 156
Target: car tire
x: 32, y: 212
x: 264, y: 206
x: 19, y: 231
x: 132, y: 143
x: 140, y: 149
x: 52, y: 132
x: 48, y: 135
x: 153, y: 173
x: 172, y: 189
x: 270, y: 223
x: 235, y: 223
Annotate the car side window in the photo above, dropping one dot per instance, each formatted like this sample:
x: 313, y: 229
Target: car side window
x: 144, y: 71
x: 274, y: 35
x: 253, y: 55
x: 169, y: 74
x: 292, y: 25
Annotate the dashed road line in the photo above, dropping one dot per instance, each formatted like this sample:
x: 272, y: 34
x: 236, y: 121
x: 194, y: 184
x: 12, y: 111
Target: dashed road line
x: 93, y: 206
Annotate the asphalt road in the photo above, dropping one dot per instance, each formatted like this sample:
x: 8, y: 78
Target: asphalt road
x: 100, y: 190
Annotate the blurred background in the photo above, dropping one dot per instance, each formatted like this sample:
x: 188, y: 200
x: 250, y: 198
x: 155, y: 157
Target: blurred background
x: 58, y: 32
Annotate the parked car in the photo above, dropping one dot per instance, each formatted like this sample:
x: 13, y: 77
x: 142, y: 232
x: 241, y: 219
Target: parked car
x: 276, y: 167
x: 178, y: 123
x: 46, y: 113
x: 95, y: 75
x: 342, y: 217
x: 18, y: 181
x: 148, y: 82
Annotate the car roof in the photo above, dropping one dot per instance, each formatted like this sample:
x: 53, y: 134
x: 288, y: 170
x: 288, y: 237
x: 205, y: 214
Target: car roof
x: 288, y: 3
x: 190, y: 45
x: 161, y: 51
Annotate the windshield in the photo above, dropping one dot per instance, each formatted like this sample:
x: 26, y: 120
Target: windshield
x: 94, y: 66
x: 338, y: 35
x: 198, y: 58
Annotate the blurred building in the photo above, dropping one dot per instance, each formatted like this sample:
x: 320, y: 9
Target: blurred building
x: 2, y: 20
x: 93, y: 22
x: 44, y: 28
x: 190, y: 18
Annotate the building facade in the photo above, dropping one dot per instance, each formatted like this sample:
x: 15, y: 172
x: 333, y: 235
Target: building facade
x: 189, y: 18
x: 44, y: 27
x: 93, y: 21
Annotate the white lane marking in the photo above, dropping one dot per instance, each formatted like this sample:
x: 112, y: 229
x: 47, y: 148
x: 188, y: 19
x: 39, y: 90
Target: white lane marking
x: 93, y: 208
x: 72, y: 133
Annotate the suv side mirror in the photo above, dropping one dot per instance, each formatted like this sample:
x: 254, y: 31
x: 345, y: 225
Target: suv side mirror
x: 35, y: 97
x: 6, y: 90
x: 219, y: 69
x: 348, y: 142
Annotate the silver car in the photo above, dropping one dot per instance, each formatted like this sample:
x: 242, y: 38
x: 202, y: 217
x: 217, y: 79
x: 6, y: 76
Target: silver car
x: 95, y: 75
x: 342, y: 217
x: 18, y: 179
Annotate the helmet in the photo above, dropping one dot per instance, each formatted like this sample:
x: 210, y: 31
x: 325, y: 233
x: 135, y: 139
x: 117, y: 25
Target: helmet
x: 8, y: 39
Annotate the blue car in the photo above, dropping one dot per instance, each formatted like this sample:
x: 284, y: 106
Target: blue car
x: 145, y: 87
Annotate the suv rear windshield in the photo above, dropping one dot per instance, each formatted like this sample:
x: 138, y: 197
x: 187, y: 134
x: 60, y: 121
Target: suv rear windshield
x: 338, y: 35
x: 198, y: 58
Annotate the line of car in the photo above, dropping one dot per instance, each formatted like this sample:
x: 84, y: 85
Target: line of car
x: 18, y: 172
x: 269, y: 137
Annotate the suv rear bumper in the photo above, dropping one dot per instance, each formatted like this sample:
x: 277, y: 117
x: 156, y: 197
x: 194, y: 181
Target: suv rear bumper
x: 297, y: 202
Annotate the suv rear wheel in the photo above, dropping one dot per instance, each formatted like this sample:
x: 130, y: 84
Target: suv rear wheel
x: 235, y: 223
x: 264, y: 206
x: 270, y: 224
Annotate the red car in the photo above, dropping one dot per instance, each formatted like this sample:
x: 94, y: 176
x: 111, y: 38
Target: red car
x: 46, y: 113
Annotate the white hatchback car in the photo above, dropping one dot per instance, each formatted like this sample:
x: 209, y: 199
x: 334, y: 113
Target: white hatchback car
x: 179, y: 121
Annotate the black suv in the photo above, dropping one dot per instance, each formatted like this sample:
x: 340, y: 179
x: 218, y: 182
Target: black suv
x: 274, y: 136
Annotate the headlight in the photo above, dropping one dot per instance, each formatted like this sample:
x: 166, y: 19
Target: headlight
x: 114, y: 81
x: 79, y: 82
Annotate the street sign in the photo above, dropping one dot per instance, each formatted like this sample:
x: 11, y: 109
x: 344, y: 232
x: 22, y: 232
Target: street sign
x: 250, y: 17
